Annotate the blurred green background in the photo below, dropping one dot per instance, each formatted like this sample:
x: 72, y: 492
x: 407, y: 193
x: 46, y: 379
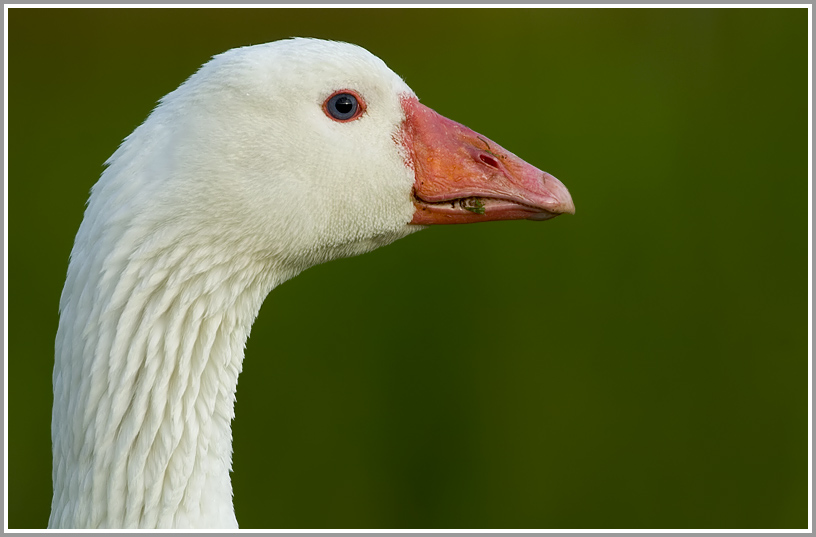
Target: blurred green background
x: 642, y: 364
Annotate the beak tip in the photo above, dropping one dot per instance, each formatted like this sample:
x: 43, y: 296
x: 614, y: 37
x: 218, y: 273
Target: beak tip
x: 560, y: 194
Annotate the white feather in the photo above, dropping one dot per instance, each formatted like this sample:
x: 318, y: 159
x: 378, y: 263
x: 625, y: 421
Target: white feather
x: 236, y: 182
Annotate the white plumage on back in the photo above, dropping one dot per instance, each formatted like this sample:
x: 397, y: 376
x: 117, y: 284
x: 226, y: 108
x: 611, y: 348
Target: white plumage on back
x: 236, y: 182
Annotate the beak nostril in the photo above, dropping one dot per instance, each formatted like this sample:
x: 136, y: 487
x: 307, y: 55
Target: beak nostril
x: 490, y: 161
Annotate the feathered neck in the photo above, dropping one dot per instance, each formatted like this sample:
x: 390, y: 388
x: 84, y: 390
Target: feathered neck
x: 236, y: 182
x: 149, y: 348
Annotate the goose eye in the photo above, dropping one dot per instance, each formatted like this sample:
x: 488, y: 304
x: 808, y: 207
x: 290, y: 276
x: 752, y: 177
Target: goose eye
x: 343, y: 105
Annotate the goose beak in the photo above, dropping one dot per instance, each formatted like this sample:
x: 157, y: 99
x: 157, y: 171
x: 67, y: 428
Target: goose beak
x: 463, y: 177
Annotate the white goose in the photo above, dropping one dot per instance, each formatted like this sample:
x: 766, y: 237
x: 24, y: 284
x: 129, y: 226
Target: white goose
x: 268, y: 160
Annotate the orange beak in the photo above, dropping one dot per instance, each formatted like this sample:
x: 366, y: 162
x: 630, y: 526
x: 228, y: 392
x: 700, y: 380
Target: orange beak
x: 463, y: 177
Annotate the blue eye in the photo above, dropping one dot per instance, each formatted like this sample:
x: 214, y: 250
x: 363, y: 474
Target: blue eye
x: 343, y: 106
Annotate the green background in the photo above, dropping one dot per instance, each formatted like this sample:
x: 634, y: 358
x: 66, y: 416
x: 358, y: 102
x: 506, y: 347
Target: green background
x: 642, y: 364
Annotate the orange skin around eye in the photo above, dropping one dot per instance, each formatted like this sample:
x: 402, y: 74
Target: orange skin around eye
x: 361, y: 105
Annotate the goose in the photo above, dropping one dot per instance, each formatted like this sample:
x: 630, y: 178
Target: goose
x: 268, y: 160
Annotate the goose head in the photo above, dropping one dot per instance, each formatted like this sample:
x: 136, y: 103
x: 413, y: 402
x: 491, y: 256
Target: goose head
x: 268, y: 160
x: 306, y: 150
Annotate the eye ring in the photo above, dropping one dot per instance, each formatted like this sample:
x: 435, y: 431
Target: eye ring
x: 344, y: 105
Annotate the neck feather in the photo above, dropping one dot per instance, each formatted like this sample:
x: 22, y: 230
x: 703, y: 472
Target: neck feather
x: 149, y: 349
